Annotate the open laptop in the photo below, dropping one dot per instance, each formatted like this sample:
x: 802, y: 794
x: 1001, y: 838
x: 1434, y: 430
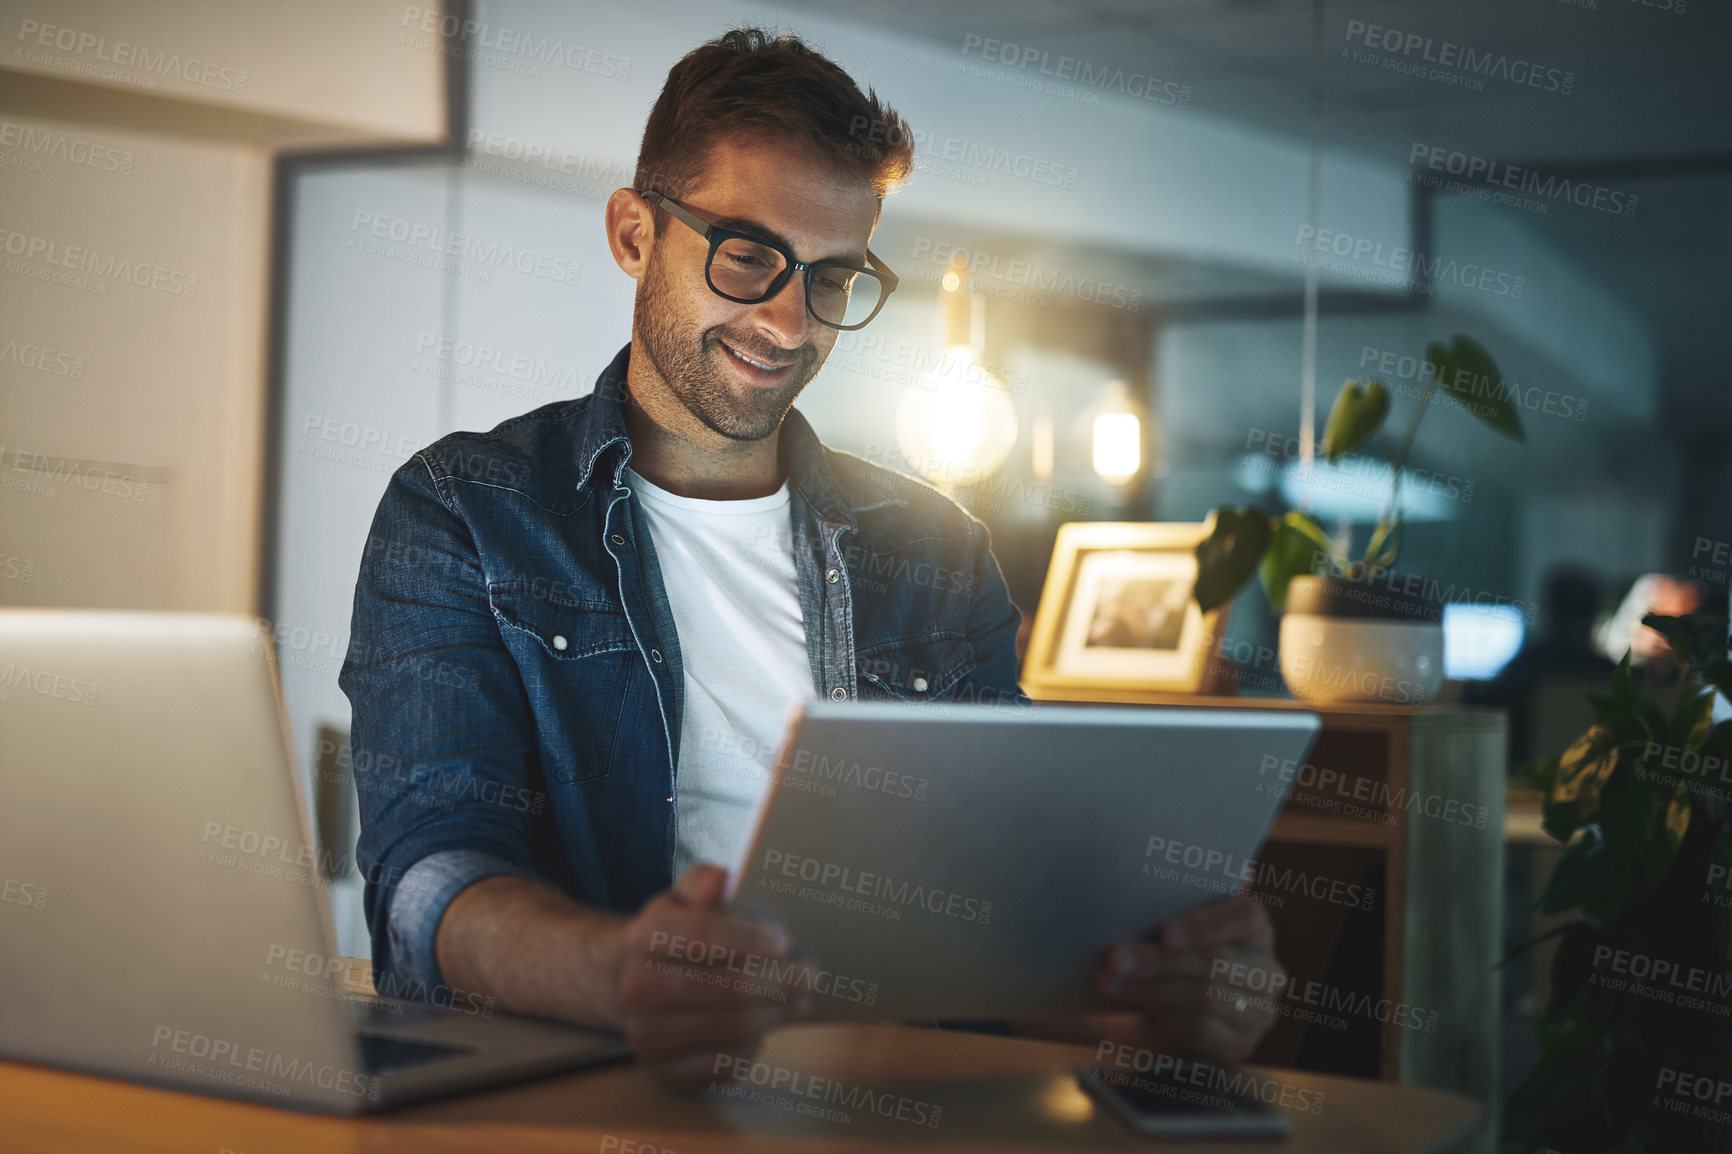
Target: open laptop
x: 974, y: 862
x: 161, y: 912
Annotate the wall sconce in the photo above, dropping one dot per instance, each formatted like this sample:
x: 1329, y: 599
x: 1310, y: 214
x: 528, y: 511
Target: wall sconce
x: 957, y: 424
x: 1117, y: 435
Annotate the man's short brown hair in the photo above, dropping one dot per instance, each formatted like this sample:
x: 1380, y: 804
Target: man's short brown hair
x: 748, y: 82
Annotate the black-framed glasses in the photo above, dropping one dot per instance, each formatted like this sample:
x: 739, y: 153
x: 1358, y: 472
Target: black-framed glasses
x: 749, y: 270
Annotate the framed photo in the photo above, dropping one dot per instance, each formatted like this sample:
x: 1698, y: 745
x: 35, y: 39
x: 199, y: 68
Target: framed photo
x: 1117, y: 614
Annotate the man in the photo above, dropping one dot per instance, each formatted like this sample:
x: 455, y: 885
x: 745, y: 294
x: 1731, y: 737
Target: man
x: 632, y: 587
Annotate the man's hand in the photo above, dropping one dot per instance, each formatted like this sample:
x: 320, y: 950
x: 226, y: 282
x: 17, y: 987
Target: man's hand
x: 697, y: 982
x: 1179, y: 984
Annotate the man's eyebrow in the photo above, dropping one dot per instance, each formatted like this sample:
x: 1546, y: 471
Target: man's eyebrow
x: 758, y: 228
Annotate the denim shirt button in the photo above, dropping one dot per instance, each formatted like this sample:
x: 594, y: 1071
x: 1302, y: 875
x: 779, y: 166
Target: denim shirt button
x: 617, y: 539
x: 833, y: 576
x: 919, y: 684
x: 559, y: 642
x: 656, y: 656
x: 838, y: 694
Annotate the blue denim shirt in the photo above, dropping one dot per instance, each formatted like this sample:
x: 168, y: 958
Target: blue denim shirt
x: 514, y: 666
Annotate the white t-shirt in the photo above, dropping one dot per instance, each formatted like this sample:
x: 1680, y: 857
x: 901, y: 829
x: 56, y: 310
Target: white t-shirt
x: 728, y: 568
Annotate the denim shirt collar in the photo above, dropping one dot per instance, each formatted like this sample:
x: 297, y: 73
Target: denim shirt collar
x: 602, y: 427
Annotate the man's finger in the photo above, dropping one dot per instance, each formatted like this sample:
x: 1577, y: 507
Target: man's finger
x: 701, y: 886
x: 1240, y: 920
x: 711, y: 937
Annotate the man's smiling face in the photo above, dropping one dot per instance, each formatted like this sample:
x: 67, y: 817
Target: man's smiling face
x: 737, y: 368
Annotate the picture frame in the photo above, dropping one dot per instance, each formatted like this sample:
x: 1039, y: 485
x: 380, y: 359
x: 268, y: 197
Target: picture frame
x: 1117, y: 615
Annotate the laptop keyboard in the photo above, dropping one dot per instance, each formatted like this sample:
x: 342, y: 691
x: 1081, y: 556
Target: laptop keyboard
x: 381, y: 1054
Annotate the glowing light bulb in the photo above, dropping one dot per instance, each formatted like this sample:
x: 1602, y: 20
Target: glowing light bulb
x: 1118, y: 445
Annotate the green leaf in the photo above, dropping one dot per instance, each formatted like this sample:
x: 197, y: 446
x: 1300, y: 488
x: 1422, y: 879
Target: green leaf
x: 1385, y: 544
x: 1540, y: 773
x: 1228, y: 556
x: 1298, y: 547
x: 1582, y: 773
x: 1694, y: 637
x: 1356, y: 415
x: 1692, y: 722
x: 1466, y: 372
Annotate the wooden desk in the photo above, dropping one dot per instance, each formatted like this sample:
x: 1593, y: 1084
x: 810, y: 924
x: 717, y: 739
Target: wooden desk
x: 995, y: 1094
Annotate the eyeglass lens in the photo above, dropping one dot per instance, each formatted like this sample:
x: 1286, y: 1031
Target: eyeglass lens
x: 839, y: 296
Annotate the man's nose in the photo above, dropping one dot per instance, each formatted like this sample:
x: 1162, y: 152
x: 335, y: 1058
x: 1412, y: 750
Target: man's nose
x: 783, y: 318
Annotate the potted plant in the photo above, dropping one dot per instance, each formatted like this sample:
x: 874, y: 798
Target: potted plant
x: 1640, y: 1018
x: 1351, y: 630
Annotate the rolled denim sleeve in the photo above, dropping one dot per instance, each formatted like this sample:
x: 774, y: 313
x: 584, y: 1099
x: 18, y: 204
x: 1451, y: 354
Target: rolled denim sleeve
x: 415, y: 910
x: 442, y: 732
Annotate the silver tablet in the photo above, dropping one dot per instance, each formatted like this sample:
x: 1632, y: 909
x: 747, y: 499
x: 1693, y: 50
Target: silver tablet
x: 974, y: 862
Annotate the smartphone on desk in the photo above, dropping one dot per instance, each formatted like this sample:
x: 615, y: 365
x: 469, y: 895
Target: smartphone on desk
x: 1185, y: 1100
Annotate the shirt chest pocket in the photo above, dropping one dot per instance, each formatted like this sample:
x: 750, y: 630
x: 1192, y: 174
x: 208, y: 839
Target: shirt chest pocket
x: 926, y: 670
x: 578, y: 661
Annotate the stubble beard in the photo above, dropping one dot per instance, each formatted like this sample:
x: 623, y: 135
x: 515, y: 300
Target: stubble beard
x: 697, y: 371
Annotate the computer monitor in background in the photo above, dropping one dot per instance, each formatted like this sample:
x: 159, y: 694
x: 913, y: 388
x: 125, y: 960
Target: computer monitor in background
x: 1479, y: 640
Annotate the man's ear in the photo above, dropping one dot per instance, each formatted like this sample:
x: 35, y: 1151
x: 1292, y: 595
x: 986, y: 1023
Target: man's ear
x: 631, y: 231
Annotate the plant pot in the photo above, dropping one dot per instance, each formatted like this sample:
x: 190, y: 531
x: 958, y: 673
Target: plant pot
x: 1369, y: 640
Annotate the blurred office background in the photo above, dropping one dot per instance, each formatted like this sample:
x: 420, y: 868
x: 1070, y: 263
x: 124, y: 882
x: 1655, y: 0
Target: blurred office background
x: 255, y: 255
